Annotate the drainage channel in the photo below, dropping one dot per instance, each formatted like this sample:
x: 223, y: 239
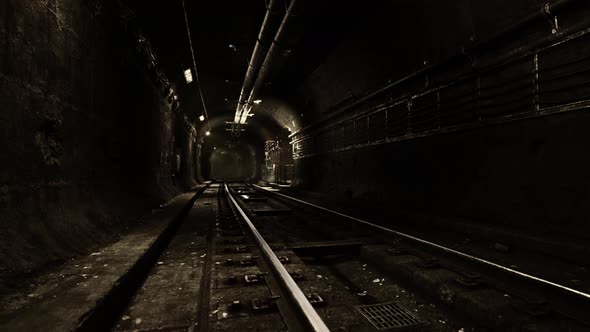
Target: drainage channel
x: 109, y: 309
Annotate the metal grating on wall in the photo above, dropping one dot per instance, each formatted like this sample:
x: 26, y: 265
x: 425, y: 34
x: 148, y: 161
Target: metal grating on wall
x: 390, y: 315
x: 548, y: 78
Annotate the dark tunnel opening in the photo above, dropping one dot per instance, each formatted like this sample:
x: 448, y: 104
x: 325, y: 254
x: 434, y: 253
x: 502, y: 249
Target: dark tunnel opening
x: 228, y: 164
x: 232, y: 164
x: 294, y: 165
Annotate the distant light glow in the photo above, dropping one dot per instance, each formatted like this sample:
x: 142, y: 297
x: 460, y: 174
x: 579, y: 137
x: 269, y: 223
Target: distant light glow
x: 207, y: 133
x: 257, y: 101
x: 188, y: 76
x: 244, y: 117
x: 245, y: 114
x: 201, y: 118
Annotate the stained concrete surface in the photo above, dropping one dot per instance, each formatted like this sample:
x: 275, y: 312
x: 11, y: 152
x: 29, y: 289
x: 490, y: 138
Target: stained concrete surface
x: 87, y: 138
x: 169, y: 298
x: 57, y: 301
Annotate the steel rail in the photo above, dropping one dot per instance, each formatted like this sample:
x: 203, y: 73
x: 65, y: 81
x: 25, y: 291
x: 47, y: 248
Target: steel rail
x: 303, y: 305
x: 443, y: 248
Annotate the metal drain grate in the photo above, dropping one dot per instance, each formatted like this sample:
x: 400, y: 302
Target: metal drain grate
x: 389, y: 316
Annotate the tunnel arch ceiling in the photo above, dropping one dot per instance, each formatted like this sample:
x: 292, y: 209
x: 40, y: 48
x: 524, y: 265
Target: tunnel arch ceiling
x: 281, y: 112
x: 314, y: 76
x: 259, y: 128
x: 223, y: 54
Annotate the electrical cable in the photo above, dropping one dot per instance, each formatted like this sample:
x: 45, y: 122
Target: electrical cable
x: 188, y: 32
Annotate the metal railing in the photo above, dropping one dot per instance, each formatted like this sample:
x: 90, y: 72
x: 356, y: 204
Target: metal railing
x: 545, y: 80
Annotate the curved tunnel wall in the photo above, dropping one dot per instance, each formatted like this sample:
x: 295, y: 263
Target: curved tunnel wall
x: 527, y: 174
x: 87, y: 141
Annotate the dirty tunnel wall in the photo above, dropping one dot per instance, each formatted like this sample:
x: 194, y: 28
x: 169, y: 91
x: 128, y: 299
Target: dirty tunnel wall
x: 87, y: 139
x: 505, y: 158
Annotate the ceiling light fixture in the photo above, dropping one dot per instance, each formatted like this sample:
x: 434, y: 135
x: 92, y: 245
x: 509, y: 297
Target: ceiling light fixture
x: 201, y: 118
x: 207, y: 133
x: 188, y: 76
x: 190, y: 43
x: 257, y: 101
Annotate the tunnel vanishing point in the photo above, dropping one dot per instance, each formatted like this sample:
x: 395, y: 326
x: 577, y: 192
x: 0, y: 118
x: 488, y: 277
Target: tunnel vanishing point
x: 294, y: 165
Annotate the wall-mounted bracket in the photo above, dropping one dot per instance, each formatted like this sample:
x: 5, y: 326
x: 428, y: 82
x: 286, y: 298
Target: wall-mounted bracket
x: 472, y: 58
x: 551, y: 18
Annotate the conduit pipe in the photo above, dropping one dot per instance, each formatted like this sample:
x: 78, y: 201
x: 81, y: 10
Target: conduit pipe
x: 286, y: 31
x: 270, y: 24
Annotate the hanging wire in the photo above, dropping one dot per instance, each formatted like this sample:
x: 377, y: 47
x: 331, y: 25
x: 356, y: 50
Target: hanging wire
x: 190, y: 42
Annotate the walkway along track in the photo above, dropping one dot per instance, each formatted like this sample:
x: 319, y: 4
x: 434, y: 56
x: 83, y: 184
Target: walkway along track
x: 215, y: 273
x: 545, y: 296
x: 108, y: 309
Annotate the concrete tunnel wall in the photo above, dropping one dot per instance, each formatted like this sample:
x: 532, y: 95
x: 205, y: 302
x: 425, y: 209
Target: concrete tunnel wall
x: 529, y: 174
x: 88, y: 142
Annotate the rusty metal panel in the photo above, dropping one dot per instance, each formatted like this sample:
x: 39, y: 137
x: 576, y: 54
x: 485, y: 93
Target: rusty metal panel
x: 424, y: 113
x: 459, y: 103
x: 338, y: 137
x: 377, y: 126
x: 508, y: 90
x: 348, y: 134
x: 325, y: 142
x: 564, y: 73
x: 397, y: 120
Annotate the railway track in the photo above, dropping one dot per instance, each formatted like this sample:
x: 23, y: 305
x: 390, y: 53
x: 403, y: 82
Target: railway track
x: 334, y: 289
x: 249, y: 258
x: 537, y: 301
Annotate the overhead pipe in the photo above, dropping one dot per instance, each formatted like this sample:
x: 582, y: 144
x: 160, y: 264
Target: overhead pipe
x: 547, y: 10
x: 272, y: 19
x: 287, y: 30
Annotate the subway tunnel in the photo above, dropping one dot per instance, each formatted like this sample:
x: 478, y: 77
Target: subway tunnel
x: 295, y: 165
